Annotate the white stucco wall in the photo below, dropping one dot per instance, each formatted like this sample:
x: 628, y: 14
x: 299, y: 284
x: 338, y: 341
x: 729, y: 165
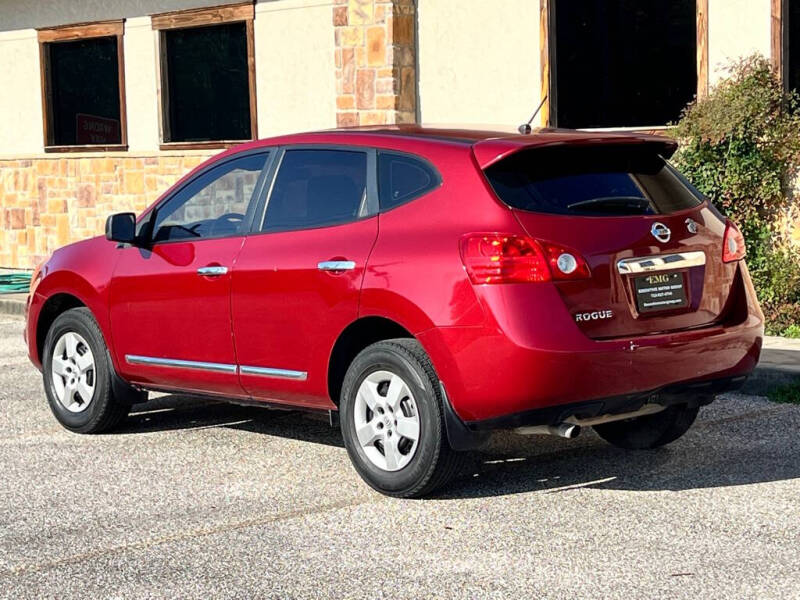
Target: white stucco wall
x: 142, y: 108
x: 478, y: 61
x: 736, y: 28
x: 295, y: 70
x: 20, y: 93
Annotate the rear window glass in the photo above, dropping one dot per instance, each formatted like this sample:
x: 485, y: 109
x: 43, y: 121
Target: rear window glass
x: 596, y: 181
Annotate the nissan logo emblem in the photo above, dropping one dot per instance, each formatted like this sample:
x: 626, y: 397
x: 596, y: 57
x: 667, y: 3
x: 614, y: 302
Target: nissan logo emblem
x: 661, y: 232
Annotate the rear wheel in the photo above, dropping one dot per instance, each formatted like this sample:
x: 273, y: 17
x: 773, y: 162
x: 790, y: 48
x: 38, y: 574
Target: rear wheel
x: 392, y: 420
x: 649, y: 431
x: 84, y: 393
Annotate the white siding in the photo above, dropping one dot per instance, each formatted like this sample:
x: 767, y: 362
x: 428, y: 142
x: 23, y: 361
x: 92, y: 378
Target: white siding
x: 736, y: 28
x: 140, y: 84
x: 478, y: 61
x: 295, y: 70
x: 20, y: 93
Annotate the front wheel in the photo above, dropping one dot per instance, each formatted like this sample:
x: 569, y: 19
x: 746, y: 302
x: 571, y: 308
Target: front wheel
x: 392, y: 420
x: 84, y: 393
x: 649, y: 431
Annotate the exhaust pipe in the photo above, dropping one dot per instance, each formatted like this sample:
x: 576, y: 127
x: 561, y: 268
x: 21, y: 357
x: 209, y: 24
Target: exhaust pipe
x: 565, y: 430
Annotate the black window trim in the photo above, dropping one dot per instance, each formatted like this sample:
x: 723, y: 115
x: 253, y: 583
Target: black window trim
x: 417, y: 157
x: 145, y: 237
x: 368, y: 209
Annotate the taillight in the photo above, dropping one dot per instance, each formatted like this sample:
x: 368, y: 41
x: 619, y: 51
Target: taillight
x: 733, y: 247
x: 509, y: 258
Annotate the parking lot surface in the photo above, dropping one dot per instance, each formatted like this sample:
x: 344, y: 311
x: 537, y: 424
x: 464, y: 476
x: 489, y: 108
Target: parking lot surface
x: 197, y: 499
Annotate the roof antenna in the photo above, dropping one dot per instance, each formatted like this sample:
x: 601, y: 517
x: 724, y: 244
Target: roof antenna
x: 525, y: 128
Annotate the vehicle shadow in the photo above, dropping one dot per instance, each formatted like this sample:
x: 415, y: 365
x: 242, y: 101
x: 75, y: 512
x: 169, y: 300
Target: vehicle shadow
x: 175, y: 412
x: 739, y: 446
x: 732, y: 443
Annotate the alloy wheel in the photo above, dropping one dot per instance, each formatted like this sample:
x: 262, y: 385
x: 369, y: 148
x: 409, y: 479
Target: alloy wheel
x: 73, y: 372
x: 387, y: 421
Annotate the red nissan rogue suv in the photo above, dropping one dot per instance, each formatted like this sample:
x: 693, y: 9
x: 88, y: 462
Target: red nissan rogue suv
x: 424, y: 286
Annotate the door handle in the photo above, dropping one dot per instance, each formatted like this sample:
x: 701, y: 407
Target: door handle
x: 336, y: 265
x: 212, y: 271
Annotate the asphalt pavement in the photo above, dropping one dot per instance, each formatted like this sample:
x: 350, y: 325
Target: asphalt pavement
x: 196, y: 499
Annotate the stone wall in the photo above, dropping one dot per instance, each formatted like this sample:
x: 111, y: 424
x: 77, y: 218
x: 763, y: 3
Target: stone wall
x: 376, y: 80
x: 48, y: 202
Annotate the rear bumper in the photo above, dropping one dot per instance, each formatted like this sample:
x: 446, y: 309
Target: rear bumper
x: 525, y: 370
x: 693, y: 394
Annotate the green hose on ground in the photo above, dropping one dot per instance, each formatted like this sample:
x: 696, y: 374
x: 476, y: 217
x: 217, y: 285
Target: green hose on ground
x: 14, y: 283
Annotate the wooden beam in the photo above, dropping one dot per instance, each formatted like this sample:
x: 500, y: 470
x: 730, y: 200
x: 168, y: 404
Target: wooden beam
x: 702, y: 49
x: 251, y: 78
x: 778, y: 37
x: 81, y: 31
x: 544, y: 60
x: 204, y: 16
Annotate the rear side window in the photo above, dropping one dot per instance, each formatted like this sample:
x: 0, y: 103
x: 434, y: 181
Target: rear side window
x: 402, y: 178
x: 595, y: 181
x: 315, y: 188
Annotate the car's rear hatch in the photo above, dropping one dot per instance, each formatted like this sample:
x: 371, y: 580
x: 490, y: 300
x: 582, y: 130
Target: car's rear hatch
x: 652, y: 243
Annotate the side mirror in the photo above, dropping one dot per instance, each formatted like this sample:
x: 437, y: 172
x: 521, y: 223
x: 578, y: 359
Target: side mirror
x: 121, y: 227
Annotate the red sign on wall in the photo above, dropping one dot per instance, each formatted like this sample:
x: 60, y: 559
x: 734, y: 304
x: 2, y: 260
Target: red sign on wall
x: 96, y: 130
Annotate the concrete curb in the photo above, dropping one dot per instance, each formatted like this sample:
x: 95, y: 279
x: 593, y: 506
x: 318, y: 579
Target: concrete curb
x: 12, y: 305
x: 779, y: 366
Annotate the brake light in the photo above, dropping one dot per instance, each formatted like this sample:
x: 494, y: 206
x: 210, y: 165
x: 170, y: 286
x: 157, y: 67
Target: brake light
x: 733, y: 247
x: 509, y: 258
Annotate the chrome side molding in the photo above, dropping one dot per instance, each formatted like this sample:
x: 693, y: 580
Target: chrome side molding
x: 270, y: 372
x: 135, y: 359
x: 336, y: 265
x: 662, y: 262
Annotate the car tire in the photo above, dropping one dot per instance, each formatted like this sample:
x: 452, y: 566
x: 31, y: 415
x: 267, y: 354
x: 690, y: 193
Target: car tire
x: 389, y: 389
x: 649, y: 431
x: 84, y: 392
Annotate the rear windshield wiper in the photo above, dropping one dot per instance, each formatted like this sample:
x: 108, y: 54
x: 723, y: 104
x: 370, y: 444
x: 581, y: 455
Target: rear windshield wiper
x: 614, y: 204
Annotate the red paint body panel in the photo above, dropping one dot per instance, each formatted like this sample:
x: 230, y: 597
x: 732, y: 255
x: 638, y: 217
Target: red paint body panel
x: 498, y: 349
x: 82, y: 270
x: 160, y: 307
x: 287, y: 314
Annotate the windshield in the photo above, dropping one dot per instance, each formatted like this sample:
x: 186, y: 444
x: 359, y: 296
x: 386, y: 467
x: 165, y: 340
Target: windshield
x: 591, y: 181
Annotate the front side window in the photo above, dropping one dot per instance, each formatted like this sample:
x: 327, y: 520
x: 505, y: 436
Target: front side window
x: 600, y: 181
x: 315, y: 188
x: 215, y: 204
x: 207, y: 75
x: 622, y: 63
x: 402, y: 178
x: 82, y: 87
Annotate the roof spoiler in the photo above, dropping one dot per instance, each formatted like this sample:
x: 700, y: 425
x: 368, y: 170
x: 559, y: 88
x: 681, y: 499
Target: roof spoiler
x: 490, y: 151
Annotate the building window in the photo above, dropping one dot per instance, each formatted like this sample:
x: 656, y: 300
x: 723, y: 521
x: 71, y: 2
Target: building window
x: 791, y: 44
x: 207, y: 76
x: 621, y: 63
x: 83, y: 87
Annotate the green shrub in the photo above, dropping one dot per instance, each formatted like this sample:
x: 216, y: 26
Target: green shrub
x: 787, y: 394
x: 741, y: 147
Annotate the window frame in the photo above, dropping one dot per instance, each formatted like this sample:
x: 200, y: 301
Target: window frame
x: 431, y: 167
x: 369, y: 209
x: 201, y: 17
x: 71, y: 33
x: 548, y: 66
x: 145, y: 234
